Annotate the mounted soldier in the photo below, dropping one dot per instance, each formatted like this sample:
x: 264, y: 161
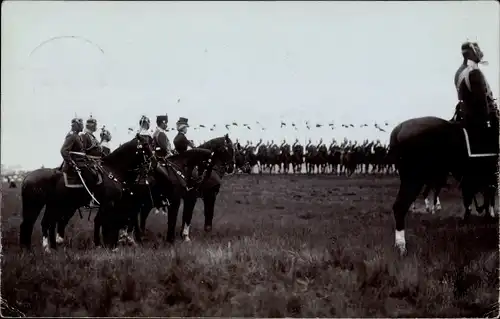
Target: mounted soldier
x: 105, y: 139
x: 181, y: 144
x: 91, y: 145
x: 476, y: 102
x: 144, y: 124
x: 72, y: 143
x: 160, y: 137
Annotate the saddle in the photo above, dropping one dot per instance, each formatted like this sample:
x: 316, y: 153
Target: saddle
x: 89, y: 171
x: 480, y: 142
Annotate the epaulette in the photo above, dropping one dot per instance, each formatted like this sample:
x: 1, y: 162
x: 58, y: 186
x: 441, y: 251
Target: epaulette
x: 81, y: 133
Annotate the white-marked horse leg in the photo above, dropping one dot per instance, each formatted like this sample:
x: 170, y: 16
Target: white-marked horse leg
x: 428, y: 206
x: 492, y: 211
x: 45, y: 244
x: 438, y: 204
x: 400, y: 241
x: 59, y: 239
x: 185, y: 233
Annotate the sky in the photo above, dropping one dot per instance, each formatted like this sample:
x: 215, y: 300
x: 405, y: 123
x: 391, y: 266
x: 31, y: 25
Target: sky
x: 224, y: 62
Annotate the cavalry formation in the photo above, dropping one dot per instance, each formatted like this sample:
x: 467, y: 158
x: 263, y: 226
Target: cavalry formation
x: 341, y: 159
x: 147, y: 172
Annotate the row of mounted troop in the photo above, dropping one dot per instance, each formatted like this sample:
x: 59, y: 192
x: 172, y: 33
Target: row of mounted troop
x: 346, y: 157
x: 83, y: 141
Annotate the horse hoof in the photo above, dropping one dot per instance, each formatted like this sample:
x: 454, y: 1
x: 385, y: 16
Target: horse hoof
x: 187, y: 239
x: 59, y: 240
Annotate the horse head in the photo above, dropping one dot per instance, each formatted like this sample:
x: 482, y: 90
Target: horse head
x: 223, y: 152
x: 132, y: 155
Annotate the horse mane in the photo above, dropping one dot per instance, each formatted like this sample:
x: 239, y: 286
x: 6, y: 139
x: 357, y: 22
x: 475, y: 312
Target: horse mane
x: 186, y: 157
x: 215, y: 142
x: 121, y: 153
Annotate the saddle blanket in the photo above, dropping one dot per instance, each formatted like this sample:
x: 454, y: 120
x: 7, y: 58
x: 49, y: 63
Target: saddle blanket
x: 72, y: 180
x: 479, y: 146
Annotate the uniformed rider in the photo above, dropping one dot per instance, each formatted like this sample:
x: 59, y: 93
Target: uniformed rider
x: 144, y: 124
x: 91, y: 145
x: 163, y: 147
x: 182, y: 144
x: 72, y: 143
x: 105, y: 139
x: 474, y: 92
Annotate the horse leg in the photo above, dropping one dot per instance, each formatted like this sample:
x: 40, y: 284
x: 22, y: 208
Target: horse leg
x: 143, y: 216
x: 187, y: 215
x: 97, y: 228
x: 61, y: 227
x: 209, y: 207
x: 408, y: 192
x: 30, y: 212
x: 173, y: 211
x: 437, y: 202
x: 467, y: 196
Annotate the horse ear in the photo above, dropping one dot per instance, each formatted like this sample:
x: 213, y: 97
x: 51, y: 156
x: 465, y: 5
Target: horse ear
x: 226, y: 137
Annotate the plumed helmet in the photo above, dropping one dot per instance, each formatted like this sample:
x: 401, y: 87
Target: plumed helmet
x: 105, y: 134
x: 77, y: 120
x: 91, y: 120
x: 472, y: 50
x: 144, y: 120
x: 161, y: 119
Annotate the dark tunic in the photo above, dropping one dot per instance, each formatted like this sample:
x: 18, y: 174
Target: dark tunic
x: 91, y: 145
x: 473, y: 90
x: 162, y: 142
x: 181, y: 143
x: 72, y: 143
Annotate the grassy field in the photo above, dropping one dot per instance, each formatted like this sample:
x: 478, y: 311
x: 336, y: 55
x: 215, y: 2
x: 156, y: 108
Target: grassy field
x: 294, y: 246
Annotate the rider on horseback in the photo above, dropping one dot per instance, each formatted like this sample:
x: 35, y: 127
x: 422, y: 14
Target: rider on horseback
x: 105, y: 139
x: 160, y: 136
x: 182, y: 144
x: 476, y: 100
x: 90, y: 144
x: 72, y: 143
x: 144, y: 124
x: 91, y: 147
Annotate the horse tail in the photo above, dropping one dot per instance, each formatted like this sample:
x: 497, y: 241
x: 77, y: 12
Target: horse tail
x: 35, y: 191
x: 393, y: 153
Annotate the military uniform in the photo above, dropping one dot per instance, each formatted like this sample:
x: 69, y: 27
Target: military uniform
x: 72, y: 143
x: 106, y: 150
x: 90, y: 144
x: 160, y: 137
x: 181, y: 142
x: 105, y: 139
x: 476, y: 101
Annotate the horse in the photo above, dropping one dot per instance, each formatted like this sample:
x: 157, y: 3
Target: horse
x: 210, y: 187
x: 297, y: 157
x: 427, y: 148
x: 62, y: 194
x: 219, y: 153
x: 285, y: 157
x: 175, y: 189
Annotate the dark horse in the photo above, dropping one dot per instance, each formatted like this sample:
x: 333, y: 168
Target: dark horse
x: 427, y: 149
x: 107, y: 180
x: 222, y: 160
x: 168, y: 186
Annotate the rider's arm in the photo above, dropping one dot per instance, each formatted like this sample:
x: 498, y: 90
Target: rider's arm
x: 67, y: 147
